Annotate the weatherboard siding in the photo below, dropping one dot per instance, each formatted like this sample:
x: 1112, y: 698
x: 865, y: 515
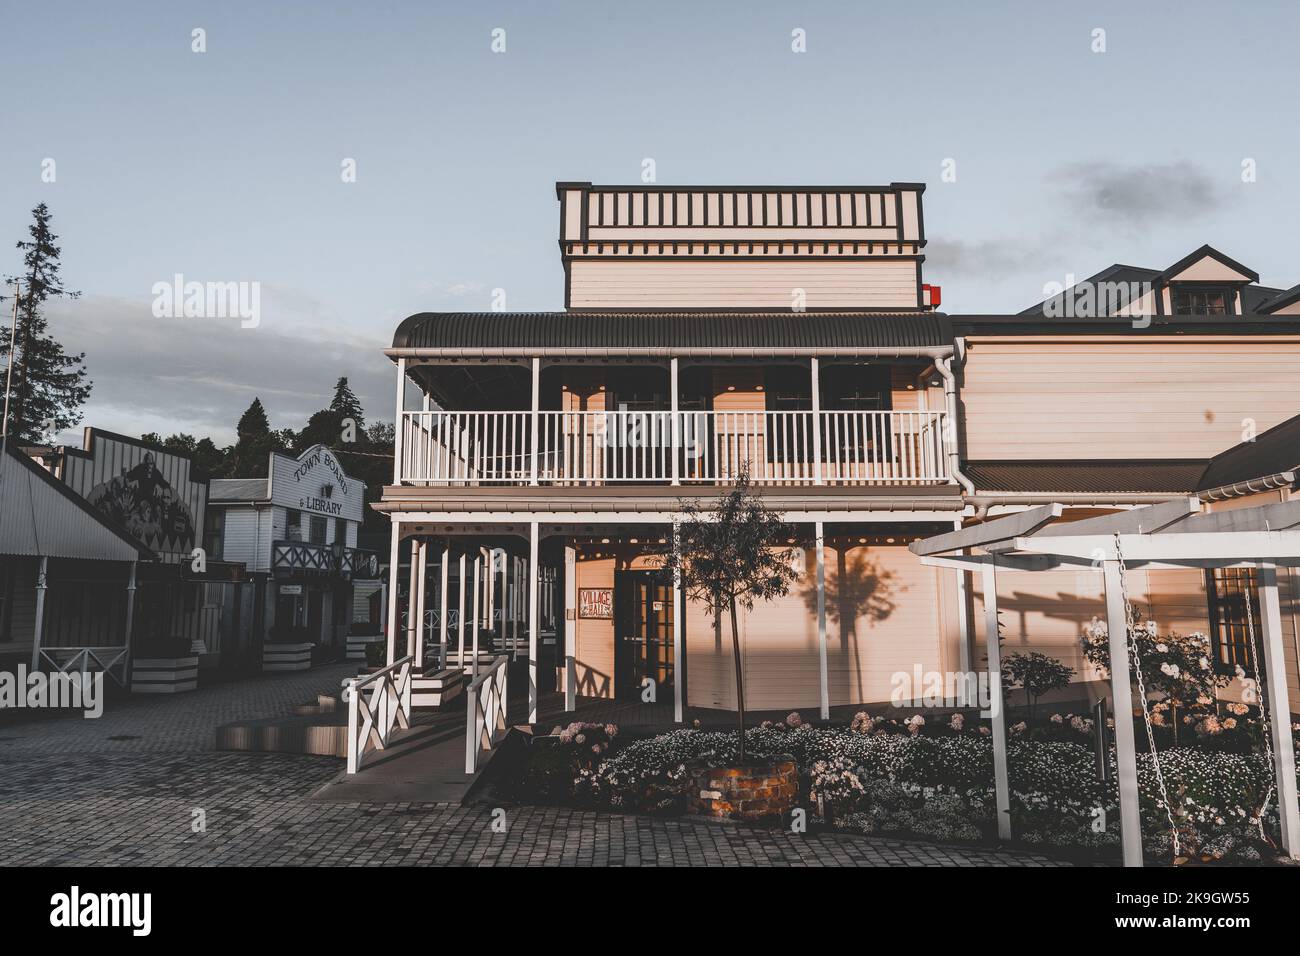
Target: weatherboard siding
x: 738, y: 283
x: 1057, y: 398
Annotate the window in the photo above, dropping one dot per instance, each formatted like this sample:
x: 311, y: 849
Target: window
x: 293, y: 524
x: 319, y: 524
x: 214, y: 533
x: 1203, y: 300
x: 1228, y: 590
x: 341, y: 531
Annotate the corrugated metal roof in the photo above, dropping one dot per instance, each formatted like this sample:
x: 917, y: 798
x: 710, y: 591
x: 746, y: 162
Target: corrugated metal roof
x: 40, y: 515
x: 668, y: 330
x: 1175, y: 476
x: 238, y: 489
x: 1275, y: 451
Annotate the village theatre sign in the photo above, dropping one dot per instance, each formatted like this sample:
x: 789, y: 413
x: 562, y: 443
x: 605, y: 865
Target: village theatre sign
x: 316, y: 482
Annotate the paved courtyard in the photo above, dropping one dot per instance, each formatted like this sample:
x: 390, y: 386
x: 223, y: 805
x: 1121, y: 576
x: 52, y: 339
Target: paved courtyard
x: 142, y: 786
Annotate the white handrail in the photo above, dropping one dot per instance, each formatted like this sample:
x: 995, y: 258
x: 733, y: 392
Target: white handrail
x: 604, y: 447
x: 371, y: 722
x: 485, y: 714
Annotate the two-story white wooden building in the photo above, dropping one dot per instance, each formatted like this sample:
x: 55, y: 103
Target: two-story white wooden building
x: 789, y: 330
x: 296, y: 532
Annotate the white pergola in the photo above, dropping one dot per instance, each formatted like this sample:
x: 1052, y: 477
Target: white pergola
x: 1172, y: 535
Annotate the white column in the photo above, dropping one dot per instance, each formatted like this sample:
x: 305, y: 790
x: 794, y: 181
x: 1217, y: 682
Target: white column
x: 570, y: 627
x: 964, y: 628
x: 400, y: 425
x: 532, y: 622
x: 412, y: 592
x: 41, y: 583
x: 461, y: 616
x: 514, y: 602
x: 817, y: 422
x: 442, y: 604
x: 997, y: 703
x: 421, y: 579
x: 675, y: 426
x: 478, y: 588
x: 1122, y: 696
x: 679, y: 675
x: 130, y: 620
x: 533, y: 419
x: 492, y: 591
x: 1279, y: 708
x: 823, y: 676
x: 394, y: 558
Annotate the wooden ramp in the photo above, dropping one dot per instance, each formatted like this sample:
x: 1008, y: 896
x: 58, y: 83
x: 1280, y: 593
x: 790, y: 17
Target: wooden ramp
x: 425, y: 764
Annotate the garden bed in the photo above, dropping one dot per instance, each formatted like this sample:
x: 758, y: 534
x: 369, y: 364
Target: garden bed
x: 910, y: 779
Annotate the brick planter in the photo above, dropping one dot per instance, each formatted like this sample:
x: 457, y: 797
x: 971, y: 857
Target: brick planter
x: 751, y: 792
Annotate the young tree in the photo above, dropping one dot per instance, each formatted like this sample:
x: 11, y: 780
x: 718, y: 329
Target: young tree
x: 49, y: 385
x: 1037, y: 674
x: 731, y: 555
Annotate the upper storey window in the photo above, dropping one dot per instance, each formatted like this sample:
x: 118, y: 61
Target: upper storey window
x: 1203, y: 300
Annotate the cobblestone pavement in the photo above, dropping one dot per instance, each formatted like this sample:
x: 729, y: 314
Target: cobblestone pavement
x: 71, y: 795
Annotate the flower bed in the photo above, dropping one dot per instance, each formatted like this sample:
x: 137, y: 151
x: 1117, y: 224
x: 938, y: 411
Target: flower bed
x: 933, y: 780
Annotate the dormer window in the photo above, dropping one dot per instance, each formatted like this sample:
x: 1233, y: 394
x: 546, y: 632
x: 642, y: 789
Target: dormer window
x: 1203, y: 300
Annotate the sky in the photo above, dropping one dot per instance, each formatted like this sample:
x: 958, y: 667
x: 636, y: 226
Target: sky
x: 227, y: 165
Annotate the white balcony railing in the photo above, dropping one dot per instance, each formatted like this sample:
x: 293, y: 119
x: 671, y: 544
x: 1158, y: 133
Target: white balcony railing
x: 593, y: 448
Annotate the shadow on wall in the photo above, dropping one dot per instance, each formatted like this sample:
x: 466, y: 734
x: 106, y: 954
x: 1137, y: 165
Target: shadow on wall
x: 858, y: 590
x: 591, y: 682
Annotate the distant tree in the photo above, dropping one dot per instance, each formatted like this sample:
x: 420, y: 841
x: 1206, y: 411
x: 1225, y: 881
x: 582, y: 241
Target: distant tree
x: 346, y: 404
x: 49, y: 385
x: 202, y: 452
x: 210, y: 459
x: 729, y: 556
x: 381, y: 436
x: 256, y: 441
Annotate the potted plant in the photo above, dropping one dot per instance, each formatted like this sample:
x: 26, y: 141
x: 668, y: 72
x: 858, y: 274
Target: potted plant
x: 362, y: 636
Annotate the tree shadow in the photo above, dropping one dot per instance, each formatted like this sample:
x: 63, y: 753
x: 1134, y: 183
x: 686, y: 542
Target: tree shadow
x: 859, y: 590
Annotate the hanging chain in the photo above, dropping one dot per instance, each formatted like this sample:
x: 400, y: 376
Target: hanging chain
x: 1253, y: 659
x: 1131, y: 640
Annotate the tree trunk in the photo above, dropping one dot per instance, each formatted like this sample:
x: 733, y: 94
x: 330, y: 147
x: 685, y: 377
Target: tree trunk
x: 740, y: 679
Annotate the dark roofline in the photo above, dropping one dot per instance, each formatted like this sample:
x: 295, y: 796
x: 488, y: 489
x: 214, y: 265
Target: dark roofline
x: 1281, y: 301
x: 1272, y: 452
x: 694, y: 331
x: 144, y: 551
x: 1201, y: 253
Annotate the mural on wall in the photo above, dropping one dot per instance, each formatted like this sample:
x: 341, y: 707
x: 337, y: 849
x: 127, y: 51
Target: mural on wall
x: 143, y: 501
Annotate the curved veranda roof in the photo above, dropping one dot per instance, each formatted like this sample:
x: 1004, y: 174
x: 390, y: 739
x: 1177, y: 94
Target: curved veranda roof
x: 466, y: 334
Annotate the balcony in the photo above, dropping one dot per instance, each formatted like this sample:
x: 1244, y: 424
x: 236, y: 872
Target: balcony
x: 291, y: 559
x: 469, y: 448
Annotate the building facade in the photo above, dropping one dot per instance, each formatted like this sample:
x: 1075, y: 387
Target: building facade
x: 296, y: 533
x: 789, y: 332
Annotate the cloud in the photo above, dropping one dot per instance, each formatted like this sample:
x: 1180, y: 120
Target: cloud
x: 1139, y: 194
x: 198, y: 375
x: 986, y: 258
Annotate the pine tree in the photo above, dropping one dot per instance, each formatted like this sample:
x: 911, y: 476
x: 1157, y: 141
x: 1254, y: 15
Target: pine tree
x: 49, y: 385
x: 256, y: 442
x: 346, y: 404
